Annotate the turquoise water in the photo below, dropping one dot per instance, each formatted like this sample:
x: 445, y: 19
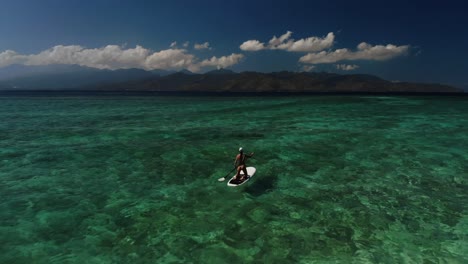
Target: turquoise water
x: 135, y: 180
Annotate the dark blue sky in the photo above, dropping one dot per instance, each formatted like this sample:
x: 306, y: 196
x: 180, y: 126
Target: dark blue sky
x: 429, y: 38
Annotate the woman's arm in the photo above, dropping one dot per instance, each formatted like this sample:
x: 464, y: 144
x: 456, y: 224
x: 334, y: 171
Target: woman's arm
x: 236, y: 161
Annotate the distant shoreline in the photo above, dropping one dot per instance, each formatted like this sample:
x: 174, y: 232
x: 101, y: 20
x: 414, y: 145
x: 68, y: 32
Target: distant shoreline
x: 211, y: 93
x: 217, y: 82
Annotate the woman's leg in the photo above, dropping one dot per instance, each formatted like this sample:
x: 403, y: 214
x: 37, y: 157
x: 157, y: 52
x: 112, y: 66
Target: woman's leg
x: 244, y: 169
x: 238, y: 172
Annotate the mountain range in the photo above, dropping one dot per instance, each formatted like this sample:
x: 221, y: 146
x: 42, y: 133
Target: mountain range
x: 73, y: 77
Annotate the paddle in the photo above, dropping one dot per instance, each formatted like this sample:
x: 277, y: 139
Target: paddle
x: 224, y: 178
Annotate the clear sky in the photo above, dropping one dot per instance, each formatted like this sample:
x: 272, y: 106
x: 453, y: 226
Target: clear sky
x: 424, y: 41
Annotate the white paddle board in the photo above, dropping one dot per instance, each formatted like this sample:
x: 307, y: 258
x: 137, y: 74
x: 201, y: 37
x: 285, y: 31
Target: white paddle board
x: 250, y: 172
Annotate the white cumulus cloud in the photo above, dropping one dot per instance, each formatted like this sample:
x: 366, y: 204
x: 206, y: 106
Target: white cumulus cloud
x: 108, y: 57
x: 284, y: 42
x: 205, y: 45
x: 252, y: 45
x: 346, y: 67
x: 222, y: 62
x: 116, y: 57
x: 277, y: 41
x: 308, y: 68
x: 310, y: 44
x: 9, y: 57
x: 364, y: 51
x: 170, y: 59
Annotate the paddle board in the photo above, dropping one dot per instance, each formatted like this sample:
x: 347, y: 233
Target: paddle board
x: 233, y: 183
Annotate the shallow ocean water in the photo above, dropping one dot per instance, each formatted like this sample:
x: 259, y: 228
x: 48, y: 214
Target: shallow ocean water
x: 340, y: 179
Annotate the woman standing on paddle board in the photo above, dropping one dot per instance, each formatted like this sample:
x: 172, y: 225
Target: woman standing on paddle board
x: 240, y: 164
